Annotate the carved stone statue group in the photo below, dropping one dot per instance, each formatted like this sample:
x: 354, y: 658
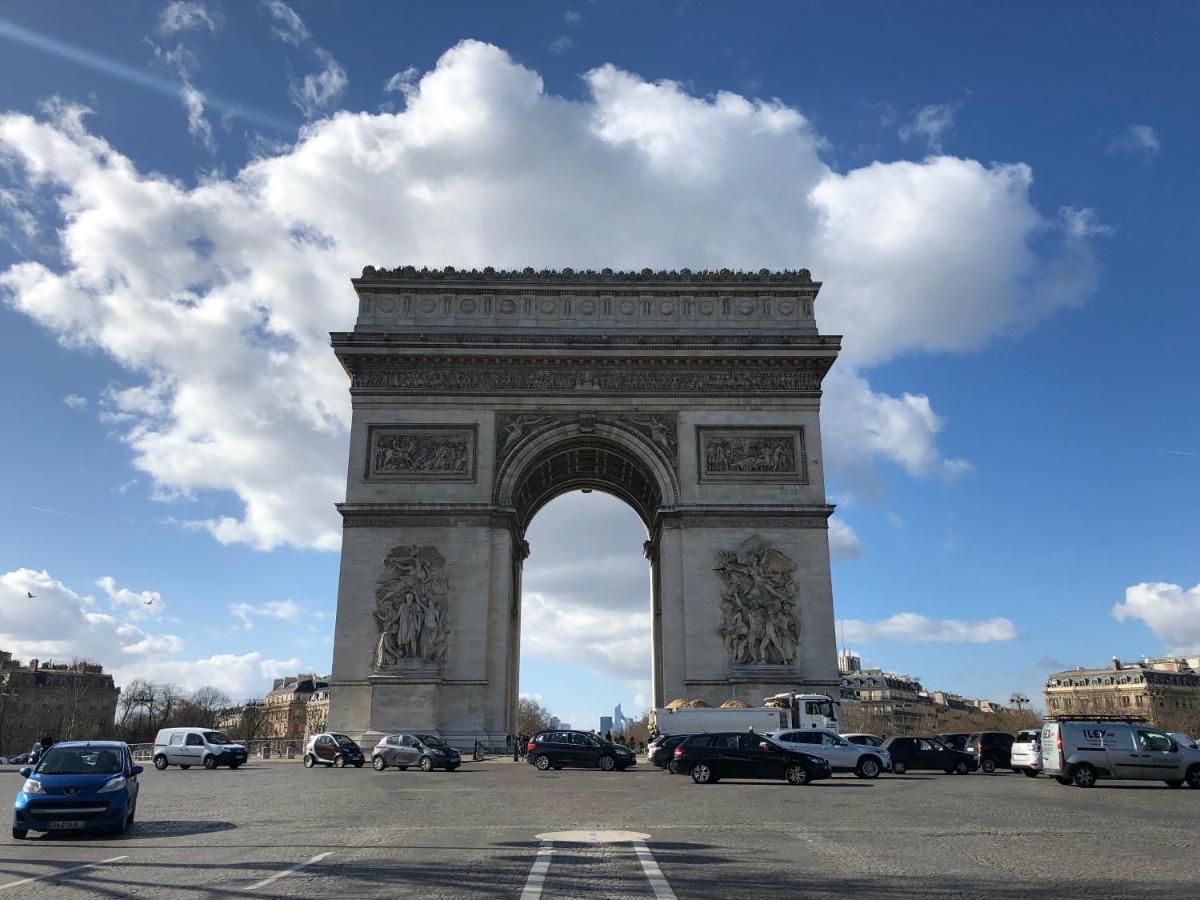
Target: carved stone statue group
x: 408, y: 453
x: 758, y: 596
x: 775, y: 455
x: 410, y: 607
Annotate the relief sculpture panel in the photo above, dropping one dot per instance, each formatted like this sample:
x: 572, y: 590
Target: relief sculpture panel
x: 758, y: 598
x: 752, y: 454
x: 420, y: 453
x: 410, y: 608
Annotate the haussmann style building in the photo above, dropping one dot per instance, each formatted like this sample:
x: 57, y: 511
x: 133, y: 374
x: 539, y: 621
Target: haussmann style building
x: 1155, y: 688
x: 76, y: 700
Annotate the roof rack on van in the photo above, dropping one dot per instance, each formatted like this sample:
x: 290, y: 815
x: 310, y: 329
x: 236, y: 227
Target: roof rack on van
x: 1132, y: 720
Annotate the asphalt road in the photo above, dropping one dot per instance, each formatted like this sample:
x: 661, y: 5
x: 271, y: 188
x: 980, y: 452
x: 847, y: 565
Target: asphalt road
x: 475, y: 833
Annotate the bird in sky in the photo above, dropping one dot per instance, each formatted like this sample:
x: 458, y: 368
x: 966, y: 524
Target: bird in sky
x: 30, y: 596
x: 148, y: 602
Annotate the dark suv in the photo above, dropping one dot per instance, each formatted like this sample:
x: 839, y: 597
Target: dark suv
x: 743, y: 754
x: 929, y: 754
x: 991, y: 749
x: 663, y: 754
x: 555, y: 749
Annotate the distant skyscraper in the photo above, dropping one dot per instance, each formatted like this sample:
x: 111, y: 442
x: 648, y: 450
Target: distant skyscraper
x: 606, y: 724
x: 849, y: 662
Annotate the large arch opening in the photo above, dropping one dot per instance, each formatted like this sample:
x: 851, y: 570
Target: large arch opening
x: 585, y: 638
x: 586, y: 641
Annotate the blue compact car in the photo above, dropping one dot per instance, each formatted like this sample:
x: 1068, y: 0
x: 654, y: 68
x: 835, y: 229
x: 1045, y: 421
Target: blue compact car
x: 78, y: 786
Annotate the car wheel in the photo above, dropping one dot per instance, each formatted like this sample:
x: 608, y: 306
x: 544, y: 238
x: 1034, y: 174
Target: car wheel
x: 868, y: 767
x: 379, y: 763
x: 1062, y: 779
x: 426, y: 764
x: 1174, y: 782
x: 988, y: 765
x: 309, y: 762
x: 339, y: 762
x: 557, y: 768
x: 541, y: 762
x: 962, y: 768
x: 702, y: 774
x: 1031, y: 773
x: 19, y: 834
x: 899, y: 768
x: 606, y: 762
x: 1084, y: 776
x: 673, y: 767
x: 1193, y: 777
x: 234, y: 765
x: 210, y: 762
x: 796, y: 774
x: 160, y: 762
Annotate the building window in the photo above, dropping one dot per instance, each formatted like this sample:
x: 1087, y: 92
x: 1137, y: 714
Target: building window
x: 1124, y: 701
x: 1137, y: 701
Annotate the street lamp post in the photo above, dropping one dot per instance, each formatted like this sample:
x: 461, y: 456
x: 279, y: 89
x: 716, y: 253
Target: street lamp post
x: 1018, y: 700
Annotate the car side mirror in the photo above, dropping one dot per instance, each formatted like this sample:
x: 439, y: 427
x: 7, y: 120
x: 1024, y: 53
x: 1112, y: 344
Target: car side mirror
x: 765, y: 746
x: 138, y: 770
x: 25, y: 772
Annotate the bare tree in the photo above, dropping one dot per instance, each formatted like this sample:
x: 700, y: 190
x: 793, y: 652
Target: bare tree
x: 205, y: 706
x: 532, y: 717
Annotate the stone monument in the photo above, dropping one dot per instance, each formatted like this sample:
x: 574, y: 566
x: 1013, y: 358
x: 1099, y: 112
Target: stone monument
x: 480, y: 396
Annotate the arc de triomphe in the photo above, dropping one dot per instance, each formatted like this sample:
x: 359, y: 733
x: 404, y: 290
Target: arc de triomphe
x: 478, y: 397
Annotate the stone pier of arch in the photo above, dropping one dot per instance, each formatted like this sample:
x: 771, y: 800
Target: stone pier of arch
x: 478, y: 397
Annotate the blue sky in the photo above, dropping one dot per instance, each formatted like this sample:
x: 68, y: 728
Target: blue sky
x: 1001, y: 205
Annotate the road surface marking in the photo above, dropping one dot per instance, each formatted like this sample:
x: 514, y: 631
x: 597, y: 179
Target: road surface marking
x: 593, y: 837
x: 537, y: 875
x: 94, y: 865
x: 658, y: 883
x: 286, y: 872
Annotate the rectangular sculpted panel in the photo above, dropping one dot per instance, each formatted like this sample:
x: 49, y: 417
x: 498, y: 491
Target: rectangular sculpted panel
x: 752, y: 454
x: 420, y: 453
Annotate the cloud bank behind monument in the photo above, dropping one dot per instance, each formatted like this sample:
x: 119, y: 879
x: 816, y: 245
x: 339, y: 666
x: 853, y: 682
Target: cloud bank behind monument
x: 218, y: 296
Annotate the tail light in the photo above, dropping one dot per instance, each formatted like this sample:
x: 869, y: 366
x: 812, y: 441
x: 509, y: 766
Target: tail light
x: 532, y: 746
x: 1058, y: 741
x: 678, y: 751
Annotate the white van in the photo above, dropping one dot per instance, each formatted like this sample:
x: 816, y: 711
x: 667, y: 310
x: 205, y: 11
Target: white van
x: 187, y: 747
x: 1079, y: 751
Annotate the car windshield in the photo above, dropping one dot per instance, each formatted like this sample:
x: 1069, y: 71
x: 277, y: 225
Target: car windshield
x: 430, y: 741
x: 215, y: 737
x: 80, y: 761
x: 344, y: 741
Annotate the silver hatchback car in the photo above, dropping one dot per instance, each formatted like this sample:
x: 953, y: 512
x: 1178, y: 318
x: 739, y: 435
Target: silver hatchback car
x: 843, y: 756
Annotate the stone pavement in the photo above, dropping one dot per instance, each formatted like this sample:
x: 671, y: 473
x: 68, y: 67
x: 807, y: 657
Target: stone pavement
x: 488, y: 830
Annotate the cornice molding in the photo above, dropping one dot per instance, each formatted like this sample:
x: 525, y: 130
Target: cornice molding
x: 372, y: 276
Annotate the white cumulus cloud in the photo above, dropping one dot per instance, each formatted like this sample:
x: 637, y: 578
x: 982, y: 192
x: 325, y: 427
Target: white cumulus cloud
x: 913, y: 627
x: 57, y: 623
x: 185, y: 15
x: 283, y: 610
x: 75, y: 401
x: 138, y: 604
x: 1138, y: 140
x: 1170, y: 611
x: 843, y: 542
x: 218, y: 298
x: 932, y: 122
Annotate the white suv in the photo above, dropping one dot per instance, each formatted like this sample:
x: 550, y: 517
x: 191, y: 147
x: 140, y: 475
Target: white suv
x: 1027, y: 752
x: 843, y: 756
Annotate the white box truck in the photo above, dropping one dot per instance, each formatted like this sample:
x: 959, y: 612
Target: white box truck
x: 789, y: 710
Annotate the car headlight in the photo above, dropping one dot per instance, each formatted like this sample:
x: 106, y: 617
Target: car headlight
x: 33, y: 787
x: 113, y: 784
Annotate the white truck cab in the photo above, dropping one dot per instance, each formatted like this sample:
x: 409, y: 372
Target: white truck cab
x: 1079, y: 750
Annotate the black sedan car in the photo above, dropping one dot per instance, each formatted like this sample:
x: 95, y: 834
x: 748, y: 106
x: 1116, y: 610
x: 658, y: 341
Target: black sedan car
x: 577, y: 749
x: 928, y: 754
x: 663, y: 754
x: 743, y: 754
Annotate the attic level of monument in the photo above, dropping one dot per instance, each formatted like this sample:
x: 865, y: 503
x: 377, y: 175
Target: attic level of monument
x: 681, y: 303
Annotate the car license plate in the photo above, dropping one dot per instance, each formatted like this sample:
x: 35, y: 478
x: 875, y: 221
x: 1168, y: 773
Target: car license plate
x: 58, y: 824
